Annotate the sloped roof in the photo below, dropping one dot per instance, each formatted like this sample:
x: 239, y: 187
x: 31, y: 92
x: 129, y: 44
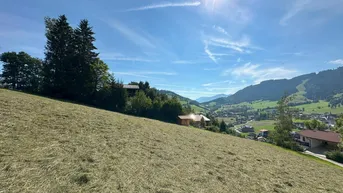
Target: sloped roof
x: 329, y: 136
x: 193, y: 117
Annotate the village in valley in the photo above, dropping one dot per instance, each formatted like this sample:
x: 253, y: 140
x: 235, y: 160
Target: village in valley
x: 313, y: 132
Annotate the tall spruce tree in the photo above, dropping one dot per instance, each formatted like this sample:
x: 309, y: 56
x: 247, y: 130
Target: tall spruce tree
x: 223, y: 126
x: 59, y: 51
x: 284, y: 125
x: 84, y: 58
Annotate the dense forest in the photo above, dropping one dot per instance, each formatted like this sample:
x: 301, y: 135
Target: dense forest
x: 321, y: 86
x: 72, y: 71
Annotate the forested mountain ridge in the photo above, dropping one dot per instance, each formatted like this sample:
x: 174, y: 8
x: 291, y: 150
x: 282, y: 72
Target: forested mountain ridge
x: 181, y: 98
x: 319, y: 86
x: 211, y: 98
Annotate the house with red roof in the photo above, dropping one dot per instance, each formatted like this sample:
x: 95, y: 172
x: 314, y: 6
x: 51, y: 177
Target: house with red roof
x: 315, y: 138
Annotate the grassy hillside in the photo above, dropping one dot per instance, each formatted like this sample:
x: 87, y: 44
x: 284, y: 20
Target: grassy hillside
x: 299, y: 97
x: 53, y: 146
x: 320, y: 107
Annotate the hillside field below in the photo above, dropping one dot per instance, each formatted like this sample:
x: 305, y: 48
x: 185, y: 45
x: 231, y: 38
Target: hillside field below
x: 318, y: 107
x: 53, y: 146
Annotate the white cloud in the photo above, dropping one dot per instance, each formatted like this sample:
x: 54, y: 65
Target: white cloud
x: 209, y: 53
x: 273, y: 60
x: 183, y: 62
x: 259, y: 74
x: 218, y: 83
x: 131, y: 35
x: 169, y: 85
x: 18, y: 33
x: 130, y: 74
x: 221, y: 30
x: 238, y: 60
x: 221, y: 54
x: 242, y: 45
x: 294, y: 53
x: 110, y: 55
x: 165, y: 5
x: 142, y: 73
x: 235, y: 11
x: 297, y: 7
x: 159, y: 73
x: 210, y: 69
x: 226, y: 90
x: 338, y: 61
x: 131, y: 59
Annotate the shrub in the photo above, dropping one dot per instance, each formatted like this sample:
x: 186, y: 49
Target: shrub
x: 231, y: 132
x: 335, y: 155
x: 212, y: 128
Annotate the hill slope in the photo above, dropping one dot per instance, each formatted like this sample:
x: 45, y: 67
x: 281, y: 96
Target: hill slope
x: 314, y: 86
x: 53, y: 146
x: 196, y: 107
x: 206, y: 99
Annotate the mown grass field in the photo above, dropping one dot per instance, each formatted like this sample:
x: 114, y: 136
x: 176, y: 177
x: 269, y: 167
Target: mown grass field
x: 253, y: 105
x: 53, y: 146
x: 320, y: 107
x: 264, y: 124
x: 227, y: 120
x: 259, y: 125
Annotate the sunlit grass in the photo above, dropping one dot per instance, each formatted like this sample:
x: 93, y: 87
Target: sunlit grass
x: 53, y: 146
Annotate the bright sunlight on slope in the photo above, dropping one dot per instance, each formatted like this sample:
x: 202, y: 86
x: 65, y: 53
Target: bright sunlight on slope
x: 53, y: 146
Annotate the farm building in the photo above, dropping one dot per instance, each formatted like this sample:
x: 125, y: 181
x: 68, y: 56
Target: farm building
x: 196, y: 119
x: 247, y: 129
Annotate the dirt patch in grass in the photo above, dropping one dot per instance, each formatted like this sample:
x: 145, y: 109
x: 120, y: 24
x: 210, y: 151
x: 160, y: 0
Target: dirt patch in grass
x: 52, y: 146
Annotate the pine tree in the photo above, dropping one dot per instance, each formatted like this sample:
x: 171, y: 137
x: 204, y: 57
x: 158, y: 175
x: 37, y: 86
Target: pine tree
x: 58, y: 69
x: 202, y: 122
x: 284, y: 125
x: 84, y: 58
x: 222, y: 127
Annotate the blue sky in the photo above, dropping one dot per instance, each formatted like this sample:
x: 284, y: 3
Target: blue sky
x: 195, y: 48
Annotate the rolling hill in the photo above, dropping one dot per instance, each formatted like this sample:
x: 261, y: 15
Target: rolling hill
x: 309, y: 87
x: 196, y: 107
x: 206, y: 99
x: 53, y: 146
x: 181, y: 98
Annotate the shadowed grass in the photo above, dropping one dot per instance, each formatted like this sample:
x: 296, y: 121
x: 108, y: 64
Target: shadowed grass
x: 52, y: 146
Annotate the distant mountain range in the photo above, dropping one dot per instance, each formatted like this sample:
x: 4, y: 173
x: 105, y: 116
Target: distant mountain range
x: 315, y: 86
x: 206, y: 99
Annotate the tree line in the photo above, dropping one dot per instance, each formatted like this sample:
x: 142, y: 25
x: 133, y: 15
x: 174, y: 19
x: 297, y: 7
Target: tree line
x: 73, y: 71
